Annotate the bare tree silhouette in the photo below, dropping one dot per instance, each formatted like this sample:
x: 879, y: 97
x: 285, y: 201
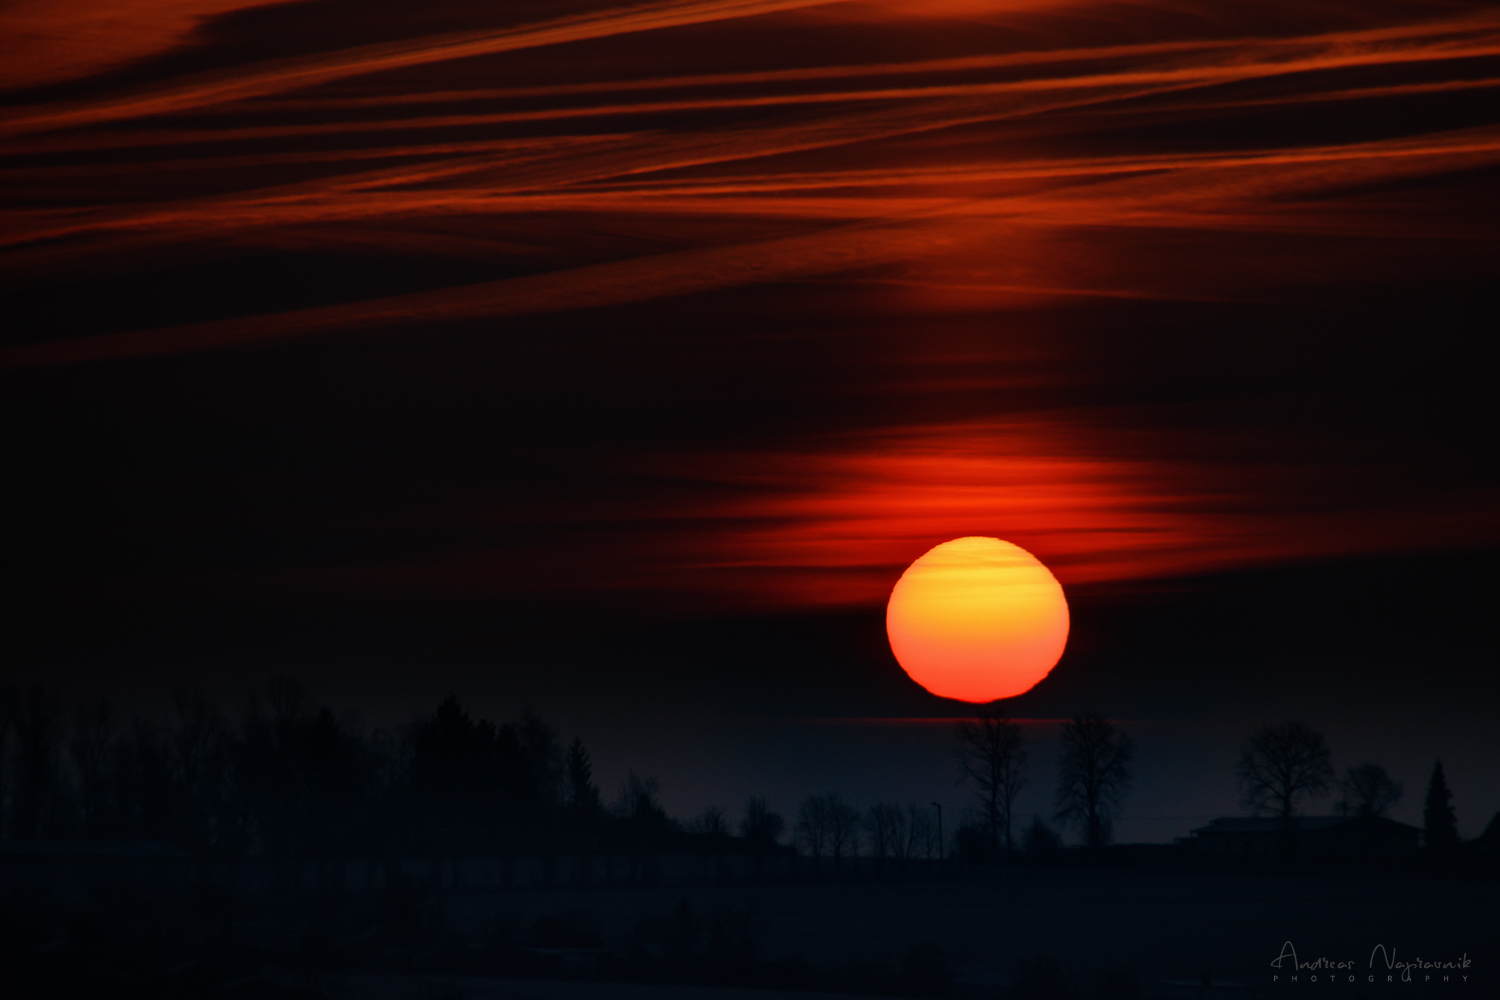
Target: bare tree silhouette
x: 762, y: 828
x: 991, y: 753
x: 1368, y: 790
x: 761, y: 823
x: 711, y: 822
x: 712, y: 828
x: 885, y: 829
x: 646, y: 823
x: 1094, y: 774
x: 1281, y: 765
x: 843, y: 830
x: 90, y: 750
x: 143, y: 784
x: 913, y: 835
x: 638, y: 797
x: 812, y: 829
x: 196, y: 746
x: 923, y: 836
x: 39, y: 737
x: 9, y: 706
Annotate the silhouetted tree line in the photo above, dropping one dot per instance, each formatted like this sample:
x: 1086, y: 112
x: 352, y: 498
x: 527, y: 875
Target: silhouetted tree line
x: 1283, y: 766
x: 1279, y: 769
x: 286, y: 777
x: 1094, y: 773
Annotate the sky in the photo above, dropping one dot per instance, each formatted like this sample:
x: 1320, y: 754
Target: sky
x: 616, y: 359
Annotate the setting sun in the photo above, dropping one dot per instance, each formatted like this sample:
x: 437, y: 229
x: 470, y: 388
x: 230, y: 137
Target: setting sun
x: 977, y: 619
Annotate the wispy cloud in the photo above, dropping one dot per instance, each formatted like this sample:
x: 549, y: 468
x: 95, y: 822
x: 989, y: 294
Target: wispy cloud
x: 1004, y: 156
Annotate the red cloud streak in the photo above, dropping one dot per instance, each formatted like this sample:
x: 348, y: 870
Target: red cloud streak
x: 962, y: 157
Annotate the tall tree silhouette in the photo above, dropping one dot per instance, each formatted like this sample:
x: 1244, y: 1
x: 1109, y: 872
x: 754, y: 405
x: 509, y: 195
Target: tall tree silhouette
x: 638, y: 799
x: 913, y: 835
x: 843, y: 829
x: 583, y: 794
x: 302, y: 782
x: 290, y: 779
x: 144, y: 790
x: 711, y: 827
x: 905, y: 830
x: 885, y: 832
x: 1369, y: 790
x: 1094, y: 773
x: 1438, y: 819
x: 198, y: 756
x: 545, y: 758
x: 991, y: 753
x: 646, y: 824
x: 472, y: 777
x: 90, y: 750
x: 812, y: 828
x: 1040, y: 839
x: 762, y: 828
x: 584, y: 824
x: 9, y: 706
x: 1281, y: 765
x: 39, y: 737
x: 336, y: 771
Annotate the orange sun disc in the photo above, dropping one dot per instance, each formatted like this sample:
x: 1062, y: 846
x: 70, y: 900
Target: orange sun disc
x: 977, y: 619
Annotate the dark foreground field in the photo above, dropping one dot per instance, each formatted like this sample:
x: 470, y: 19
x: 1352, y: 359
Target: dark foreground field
x: 1094, y: 927
x: 406, y: 987
x: 1009, y: 934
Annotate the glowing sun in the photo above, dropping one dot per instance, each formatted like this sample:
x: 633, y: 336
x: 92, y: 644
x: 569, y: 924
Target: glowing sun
x: 977, y: 619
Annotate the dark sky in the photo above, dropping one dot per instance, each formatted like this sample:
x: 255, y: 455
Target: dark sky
x: 616, y: 360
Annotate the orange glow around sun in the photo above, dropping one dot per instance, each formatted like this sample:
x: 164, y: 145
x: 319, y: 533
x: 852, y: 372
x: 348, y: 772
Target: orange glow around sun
x: 977, y: 619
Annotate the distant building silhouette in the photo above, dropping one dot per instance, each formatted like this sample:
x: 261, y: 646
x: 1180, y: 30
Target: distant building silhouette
x: 1314, y: 837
